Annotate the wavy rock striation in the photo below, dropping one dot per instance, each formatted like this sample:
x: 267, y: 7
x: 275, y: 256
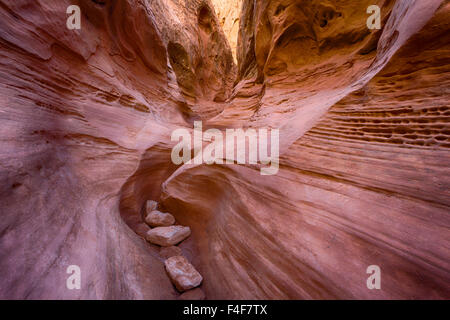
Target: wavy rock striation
x: 228, y: 13
x: 86, y: 117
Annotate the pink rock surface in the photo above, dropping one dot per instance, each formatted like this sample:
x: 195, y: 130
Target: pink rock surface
x: 86, y: 118
x: 167, y: 252
x: 168, y: 236
x: 182, y: 273
x: 159, y: 219
x: 194, y: 294
x: 150, y: 206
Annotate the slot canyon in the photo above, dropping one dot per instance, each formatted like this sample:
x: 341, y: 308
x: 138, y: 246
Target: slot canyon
x: 87, y: 115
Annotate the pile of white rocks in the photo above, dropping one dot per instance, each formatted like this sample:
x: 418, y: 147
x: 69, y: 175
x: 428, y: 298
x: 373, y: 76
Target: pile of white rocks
x: 167, y: 235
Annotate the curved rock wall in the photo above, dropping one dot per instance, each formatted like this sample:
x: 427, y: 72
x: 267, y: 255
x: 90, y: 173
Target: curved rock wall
x: 228, y: 13
x: 364, y: 173
x: 79, y: 109
x: 86, y: 118
x: 199, y: 53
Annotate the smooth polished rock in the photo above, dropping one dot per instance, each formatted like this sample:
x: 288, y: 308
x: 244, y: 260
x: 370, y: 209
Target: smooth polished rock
x: 193, y: 294
x: 167, y: 252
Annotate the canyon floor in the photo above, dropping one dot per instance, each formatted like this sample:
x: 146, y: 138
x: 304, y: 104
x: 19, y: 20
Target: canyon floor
x: 86, y: 118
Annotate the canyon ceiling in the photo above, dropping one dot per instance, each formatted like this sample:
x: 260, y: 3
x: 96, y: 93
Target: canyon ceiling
x: 86, y: 118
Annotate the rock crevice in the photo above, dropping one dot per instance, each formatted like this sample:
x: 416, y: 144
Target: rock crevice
x: 86, y: 121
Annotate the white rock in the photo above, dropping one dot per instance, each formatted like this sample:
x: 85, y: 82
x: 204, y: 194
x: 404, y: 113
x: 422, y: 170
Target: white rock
x: 159, y: 219
x: 150, y: 206
x: 182, y: 274
x: 168, y: 236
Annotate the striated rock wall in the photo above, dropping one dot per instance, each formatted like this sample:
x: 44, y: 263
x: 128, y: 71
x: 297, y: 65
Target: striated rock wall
x: 78, y: 111
x: 364, y: 173
x: 198, y: 51
x: 228, y: 13
x: 86, y: 118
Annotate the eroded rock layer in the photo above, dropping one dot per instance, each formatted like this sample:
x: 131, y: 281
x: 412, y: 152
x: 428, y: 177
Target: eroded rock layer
x: 79, y: 110
x: 86, y: 118
x: 228, y: 13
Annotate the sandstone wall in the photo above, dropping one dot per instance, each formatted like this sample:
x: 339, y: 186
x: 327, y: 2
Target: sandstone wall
x: 86, y: 118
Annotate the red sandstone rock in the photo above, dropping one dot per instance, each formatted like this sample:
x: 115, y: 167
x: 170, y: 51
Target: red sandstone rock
x: 228, y: 12
x: 362, y: 176
x: 141, y: 229
x: 182, y: 273
x: 159, y: 219
x: 193, y: 294
x: 86, y: 118
x: 150, y: 206
x: 168, y: 236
